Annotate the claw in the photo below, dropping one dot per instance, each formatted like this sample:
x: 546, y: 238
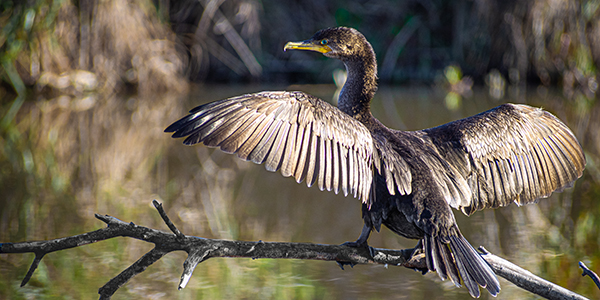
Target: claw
x: 418, y: 251
x: 341, y: 264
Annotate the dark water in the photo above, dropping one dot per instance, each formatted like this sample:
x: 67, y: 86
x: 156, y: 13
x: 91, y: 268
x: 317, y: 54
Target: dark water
x: 70, y: 157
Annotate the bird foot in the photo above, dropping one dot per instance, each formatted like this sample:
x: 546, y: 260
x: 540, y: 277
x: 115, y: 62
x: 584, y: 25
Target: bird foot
x: 359, y: 244
x: 356, y: 244
x: 417, y: 255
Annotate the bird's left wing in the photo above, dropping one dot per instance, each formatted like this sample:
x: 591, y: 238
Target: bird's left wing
x: 512, y: 153
x: 299, y: 134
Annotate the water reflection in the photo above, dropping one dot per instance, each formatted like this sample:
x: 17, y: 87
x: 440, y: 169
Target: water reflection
x: 68, y: 158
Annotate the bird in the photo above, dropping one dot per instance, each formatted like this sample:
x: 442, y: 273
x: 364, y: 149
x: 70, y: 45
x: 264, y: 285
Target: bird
x: 409, y: 181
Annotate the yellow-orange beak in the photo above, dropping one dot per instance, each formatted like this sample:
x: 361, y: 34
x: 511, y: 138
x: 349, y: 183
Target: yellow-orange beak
x: 307, y: 45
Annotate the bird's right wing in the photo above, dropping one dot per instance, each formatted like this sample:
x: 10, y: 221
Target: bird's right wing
x: 300, y: 134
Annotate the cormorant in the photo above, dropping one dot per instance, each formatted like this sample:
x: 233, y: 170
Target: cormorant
x: 407, y: 180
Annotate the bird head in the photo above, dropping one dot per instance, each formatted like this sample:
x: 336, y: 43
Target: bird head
x: 340, y: 42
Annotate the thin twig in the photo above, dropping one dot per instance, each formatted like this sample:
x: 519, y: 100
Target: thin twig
x: 588, y: 272
x: 223, y: 25
x: 36, y: 262
x: 107, y: 290
x: 165, y: 218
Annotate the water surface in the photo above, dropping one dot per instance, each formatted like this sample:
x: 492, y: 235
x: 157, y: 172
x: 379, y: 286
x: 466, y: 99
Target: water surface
x: 66, y: 158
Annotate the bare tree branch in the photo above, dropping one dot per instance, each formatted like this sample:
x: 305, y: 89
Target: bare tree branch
x: 527, y: 280
x: 588, y: 272
x: 201, y: 249
x: 107, y: 290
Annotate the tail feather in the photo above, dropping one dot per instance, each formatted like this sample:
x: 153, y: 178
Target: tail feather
x: 468, y: 280
x: 463, y: 253
x: 458, y: 259
x: 429, y: 254
x: 476, y: 267
x: 450, y: 265
x: 441, y: 260
x: 438, y: 260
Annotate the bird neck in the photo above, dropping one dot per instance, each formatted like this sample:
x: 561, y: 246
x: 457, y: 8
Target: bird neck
x: 360, y: 86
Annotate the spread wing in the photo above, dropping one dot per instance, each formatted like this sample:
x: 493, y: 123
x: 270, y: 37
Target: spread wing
x: 510, y: 153
x: 294, y: 132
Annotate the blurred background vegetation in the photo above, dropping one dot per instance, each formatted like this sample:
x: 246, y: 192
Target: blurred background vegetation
x: 157, y: 44
x: 87, y: 87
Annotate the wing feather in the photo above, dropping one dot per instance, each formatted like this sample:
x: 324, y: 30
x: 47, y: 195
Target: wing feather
x: 311, y: 176
x: 302, y: 142
x: 393, y: 167
x: 216, y: 133
x: 322, y: 163
x: 276, y: 153
x: 260, y: 152
x: 253, y: 139
x: 352, y: 173
x: 328, y: 164
x: 516, y: 153
x: 336, y: 167
x: 290, y: 157
x: 296, y: 133
x: 344, y: 168
x: 232, y: 143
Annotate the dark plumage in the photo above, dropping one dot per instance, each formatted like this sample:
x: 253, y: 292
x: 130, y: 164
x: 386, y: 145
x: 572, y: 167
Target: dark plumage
x: 408, y: 181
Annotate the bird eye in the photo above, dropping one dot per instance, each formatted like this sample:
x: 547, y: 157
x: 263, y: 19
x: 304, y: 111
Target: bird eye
x: 324, y: 42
